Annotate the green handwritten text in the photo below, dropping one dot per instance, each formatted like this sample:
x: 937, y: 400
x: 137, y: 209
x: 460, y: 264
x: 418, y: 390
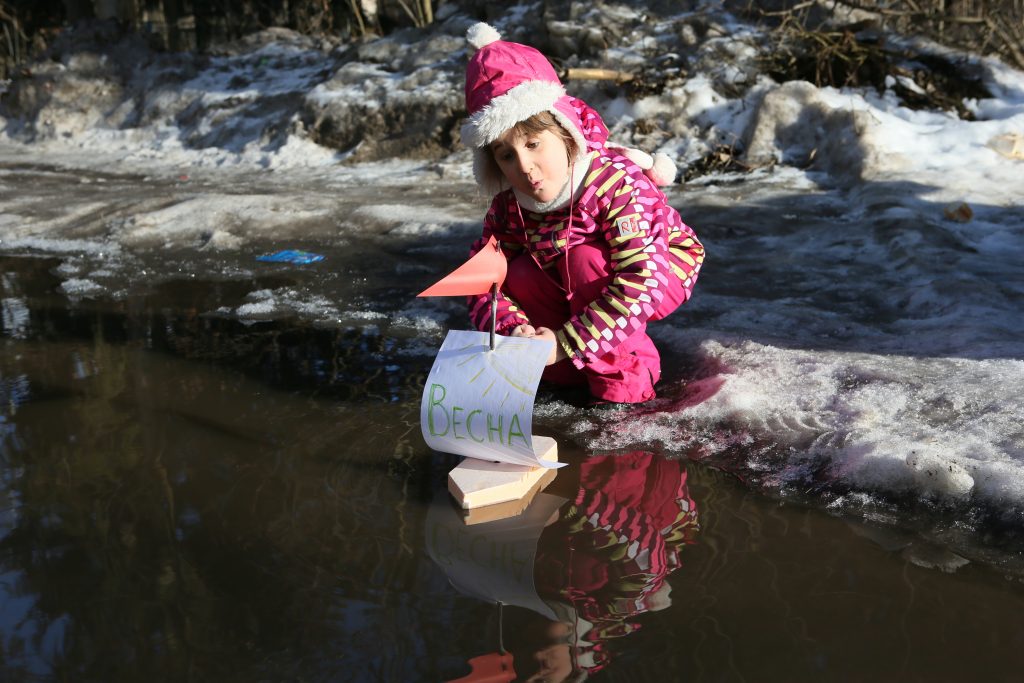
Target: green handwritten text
x: 480, y: 426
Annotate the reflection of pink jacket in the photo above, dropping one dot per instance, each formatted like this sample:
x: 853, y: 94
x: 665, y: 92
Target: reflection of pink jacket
x: 617, y: 205
x: 613, y: 548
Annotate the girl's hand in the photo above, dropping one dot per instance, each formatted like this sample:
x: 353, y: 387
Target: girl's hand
x: 557, y: 353
x: 523, y: 331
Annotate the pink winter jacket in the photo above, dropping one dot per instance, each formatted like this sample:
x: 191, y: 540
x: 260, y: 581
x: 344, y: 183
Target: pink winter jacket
x: 618, y: 205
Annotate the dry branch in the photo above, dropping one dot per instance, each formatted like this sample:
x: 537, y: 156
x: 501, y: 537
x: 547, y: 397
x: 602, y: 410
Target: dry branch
x: 585, y: 74
x: 975, y: 24
x: 14, y: 39
x: 1016, y: 52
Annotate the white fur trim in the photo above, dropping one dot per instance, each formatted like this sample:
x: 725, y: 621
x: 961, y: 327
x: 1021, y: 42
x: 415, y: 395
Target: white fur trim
x: 481, y: 34
x: 518, y: 104
x: 503, y: 112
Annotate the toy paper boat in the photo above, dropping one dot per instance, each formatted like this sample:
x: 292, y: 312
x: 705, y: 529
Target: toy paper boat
x: 478, y: 398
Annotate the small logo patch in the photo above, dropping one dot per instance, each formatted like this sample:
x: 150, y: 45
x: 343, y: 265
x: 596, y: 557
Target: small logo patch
x: 627, y: 226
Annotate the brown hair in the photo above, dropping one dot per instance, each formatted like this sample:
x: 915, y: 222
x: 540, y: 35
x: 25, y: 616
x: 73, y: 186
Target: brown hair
x: 538, y: 123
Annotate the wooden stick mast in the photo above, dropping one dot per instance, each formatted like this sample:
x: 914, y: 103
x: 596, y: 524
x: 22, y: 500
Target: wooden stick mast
x: 494, y: 311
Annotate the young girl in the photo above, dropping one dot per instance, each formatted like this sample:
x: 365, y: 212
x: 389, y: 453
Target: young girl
x: 594, y: 250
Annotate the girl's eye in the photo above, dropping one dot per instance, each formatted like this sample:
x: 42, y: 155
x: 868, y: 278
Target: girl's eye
x: 533, y: 144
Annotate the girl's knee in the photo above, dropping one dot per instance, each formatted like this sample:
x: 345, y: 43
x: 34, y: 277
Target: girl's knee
x: 627, y: 375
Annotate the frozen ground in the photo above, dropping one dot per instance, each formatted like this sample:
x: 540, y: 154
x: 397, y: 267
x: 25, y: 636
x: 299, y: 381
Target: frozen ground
x: 855, y: 340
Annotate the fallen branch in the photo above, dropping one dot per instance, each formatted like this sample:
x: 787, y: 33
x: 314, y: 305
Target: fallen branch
x: 585, y: 74
x: 791, y: 10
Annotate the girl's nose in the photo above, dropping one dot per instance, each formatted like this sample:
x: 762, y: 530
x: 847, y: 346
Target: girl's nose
x: 524, y: 163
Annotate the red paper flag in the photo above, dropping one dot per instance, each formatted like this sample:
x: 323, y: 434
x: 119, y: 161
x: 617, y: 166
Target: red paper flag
x: 487, y: 267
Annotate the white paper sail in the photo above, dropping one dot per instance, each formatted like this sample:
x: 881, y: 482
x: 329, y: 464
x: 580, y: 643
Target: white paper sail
x: 479, y: 403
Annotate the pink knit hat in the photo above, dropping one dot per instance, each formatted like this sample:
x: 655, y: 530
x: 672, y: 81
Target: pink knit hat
x: 507, y: 83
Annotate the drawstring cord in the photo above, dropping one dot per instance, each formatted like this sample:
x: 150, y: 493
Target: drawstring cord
x: 568, y: 230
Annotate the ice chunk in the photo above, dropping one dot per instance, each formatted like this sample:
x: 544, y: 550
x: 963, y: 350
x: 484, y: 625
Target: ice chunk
x: 938, y: 474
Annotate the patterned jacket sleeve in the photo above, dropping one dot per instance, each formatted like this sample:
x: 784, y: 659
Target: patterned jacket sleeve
x: 637, y: 223
x: 509, y: 312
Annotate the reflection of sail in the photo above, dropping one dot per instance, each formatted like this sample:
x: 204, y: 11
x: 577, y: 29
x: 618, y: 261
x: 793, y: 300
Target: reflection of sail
x: 491, y: 561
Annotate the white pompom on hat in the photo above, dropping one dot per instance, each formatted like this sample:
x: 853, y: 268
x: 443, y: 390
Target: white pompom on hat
x: 482, y: 34
x: 658, y: 167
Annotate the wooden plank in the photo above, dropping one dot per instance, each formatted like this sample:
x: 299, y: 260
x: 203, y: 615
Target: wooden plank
x: 589, y: 74
x: 475, y: 483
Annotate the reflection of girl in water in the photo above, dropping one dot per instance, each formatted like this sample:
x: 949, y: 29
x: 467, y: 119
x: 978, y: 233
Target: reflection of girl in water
x: 604, y: 561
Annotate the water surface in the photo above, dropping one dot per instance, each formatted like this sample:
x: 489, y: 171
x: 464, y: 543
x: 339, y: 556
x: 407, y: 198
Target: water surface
x: 188, y: 497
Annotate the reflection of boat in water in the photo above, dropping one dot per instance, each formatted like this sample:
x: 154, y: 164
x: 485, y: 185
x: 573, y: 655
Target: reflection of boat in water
x: 574, y: 574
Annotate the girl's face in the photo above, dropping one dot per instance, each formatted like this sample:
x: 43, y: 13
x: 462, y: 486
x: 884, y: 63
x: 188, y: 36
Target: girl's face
x: 536, y: 165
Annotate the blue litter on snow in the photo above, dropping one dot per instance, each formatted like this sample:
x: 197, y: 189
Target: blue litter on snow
x: 291, y: 256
